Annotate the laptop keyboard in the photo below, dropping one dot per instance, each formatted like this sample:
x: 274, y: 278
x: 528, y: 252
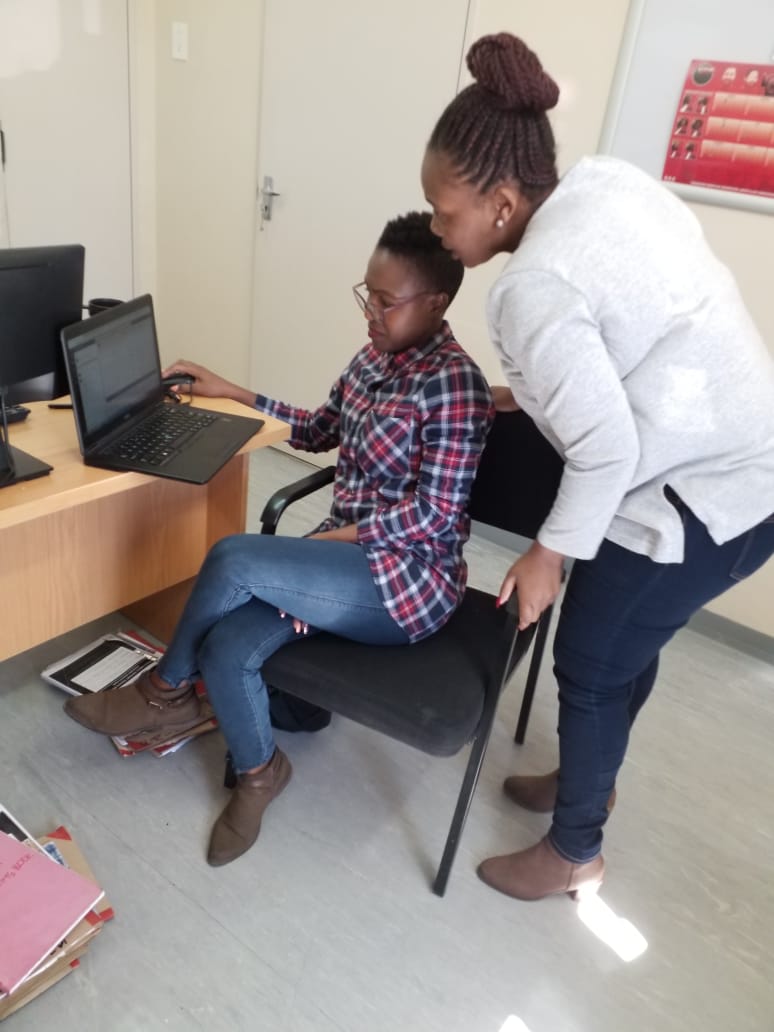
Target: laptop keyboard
x: 161, y: 436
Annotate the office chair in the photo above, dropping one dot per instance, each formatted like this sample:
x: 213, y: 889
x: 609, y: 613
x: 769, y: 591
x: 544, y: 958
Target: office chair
x: 442, y: 692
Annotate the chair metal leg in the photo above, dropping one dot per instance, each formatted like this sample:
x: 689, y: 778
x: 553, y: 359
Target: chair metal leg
x: 469, y: 782
x: 534, y: 669
x: 229, y: 775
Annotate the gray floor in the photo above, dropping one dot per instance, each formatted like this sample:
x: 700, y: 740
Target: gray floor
x: 328, y: 924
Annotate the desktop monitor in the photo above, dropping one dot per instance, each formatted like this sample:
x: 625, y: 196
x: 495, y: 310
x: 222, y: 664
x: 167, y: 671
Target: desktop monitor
x: 41, y: 290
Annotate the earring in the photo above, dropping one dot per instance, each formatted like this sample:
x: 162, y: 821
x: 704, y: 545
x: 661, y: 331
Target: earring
x: 500, y: 223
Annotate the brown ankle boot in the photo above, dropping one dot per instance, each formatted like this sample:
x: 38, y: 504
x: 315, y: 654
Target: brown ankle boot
x: 538, y: 792
x: 137, y: 707
x: 534, y: 792
x: 541, y: 871
x: 237, y: 827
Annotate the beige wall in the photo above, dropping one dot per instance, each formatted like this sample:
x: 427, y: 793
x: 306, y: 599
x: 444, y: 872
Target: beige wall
x: 142, y: 93
x: 742, y: 240
x: 68, y: 173
x: 205, y: 143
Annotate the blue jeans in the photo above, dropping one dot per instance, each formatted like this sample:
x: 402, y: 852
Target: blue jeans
x: 232, y: 623
x: 619, y: 610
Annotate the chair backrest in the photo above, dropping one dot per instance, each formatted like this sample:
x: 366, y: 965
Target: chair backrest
x: 517, y: 478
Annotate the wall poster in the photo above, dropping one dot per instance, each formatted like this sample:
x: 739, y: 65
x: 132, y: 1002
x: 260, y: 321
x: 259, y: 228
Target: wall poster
x: 722, y: 134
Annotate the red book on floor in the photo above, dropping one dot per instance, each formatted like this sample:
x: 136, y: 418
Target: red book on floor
x: 40, y: 902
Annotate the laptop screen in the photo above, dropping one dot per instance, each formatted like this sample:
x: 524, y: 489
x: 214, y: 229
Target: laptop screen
x: 113, y: 366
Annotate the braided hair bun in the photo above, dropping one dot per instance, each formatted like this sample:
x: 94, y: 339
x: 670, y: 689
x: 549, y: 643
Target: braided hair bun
x: 497, y: 128
x: 512, y: 74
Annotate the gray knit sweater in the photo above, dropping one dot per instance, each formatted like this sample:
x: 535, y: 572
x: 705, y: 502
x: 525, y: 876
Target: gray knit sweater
x: 628, y: 343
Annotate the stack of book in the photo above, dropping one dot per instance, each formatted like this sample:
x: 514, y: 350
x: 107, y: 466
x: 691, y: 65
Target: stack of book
x: 115, y: 660
x: 51, y: 908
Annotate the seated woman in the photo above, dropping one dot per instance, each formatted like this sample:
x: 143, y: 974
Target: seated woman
x: 410, y: 415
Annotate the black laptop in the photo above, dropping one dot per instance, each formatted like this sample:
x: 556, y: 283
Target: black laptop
x: 123, y: 417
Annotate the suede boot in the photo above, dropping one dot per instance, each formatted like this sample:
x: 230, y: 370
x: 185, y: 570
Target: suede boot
x: 541, y: 871
x: 238, y: 826
x: 134, y: 708
x: 537, y: 793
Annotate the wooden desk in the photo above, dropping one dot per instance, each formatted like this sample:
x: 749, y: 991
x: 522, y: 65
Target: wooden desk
x: 83, y: 542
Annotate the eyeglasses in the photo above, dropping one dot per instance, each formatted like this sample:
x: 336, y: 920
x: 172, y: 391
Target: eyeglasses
x: 374, y: 308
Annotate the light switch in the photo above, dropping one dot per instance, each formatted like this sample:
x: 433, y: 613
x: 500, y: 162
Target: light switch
x: 180, y: 41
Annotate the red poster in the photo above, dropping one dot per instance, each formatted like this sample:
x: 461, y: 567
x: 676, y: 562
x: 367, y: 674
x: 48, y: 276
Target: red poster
x: 723, y: 132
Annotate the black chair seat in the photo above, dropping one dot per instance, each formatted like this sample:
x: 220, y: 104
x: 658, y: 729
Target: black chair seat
x: 441, y: 693
x: 428, y: 695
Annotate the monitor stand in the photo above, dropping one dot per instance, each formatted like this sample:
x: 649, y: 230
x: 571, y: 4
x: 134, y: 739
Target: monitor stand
x: 16, y: 465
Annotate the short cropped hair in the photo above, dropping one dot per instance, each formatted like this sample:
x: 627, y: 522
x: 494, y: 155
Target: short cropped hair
x: 410, y: 237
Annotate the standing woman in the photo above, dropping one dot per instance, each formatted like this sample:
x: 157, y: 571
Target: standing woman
x: 628, y: 343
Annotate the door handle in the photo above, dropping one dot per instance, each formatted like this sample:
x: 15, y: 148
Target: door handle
x: 268, y: 193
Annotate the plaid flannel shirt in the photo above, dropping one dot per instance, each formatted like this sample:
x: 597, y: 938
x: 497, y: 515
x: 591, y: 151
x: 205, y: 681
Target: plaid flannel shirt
x: 410, y: 428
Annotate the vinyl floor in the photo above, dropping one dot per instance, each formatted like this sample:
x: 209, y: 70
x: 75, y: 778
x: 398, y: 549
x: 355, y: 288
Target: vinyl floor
x: 329, y: 924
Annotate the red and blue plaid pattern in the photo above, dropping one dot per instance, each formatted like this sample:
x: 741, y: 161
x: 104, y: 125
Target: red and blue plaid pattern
x: 410, y: 428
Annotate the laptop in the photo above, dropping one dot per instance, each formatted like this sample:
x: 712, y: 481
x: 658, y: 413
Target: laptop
x: 123, y: 418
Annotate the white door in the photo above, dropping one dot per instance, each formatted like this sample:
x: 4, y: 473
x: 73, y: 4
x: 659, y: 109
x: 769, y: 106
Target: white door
x: 64, y: 109
x: 350, y: 92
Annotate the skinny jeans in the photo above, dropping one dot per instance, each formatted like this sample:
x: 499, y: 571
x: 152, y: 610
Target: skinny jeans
x: 232, y: 623
x: 619, y: 611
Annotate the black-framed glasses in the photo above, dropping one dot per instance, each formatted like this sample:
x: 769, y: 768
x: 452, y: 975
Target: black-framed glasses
x: 374, y: 308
